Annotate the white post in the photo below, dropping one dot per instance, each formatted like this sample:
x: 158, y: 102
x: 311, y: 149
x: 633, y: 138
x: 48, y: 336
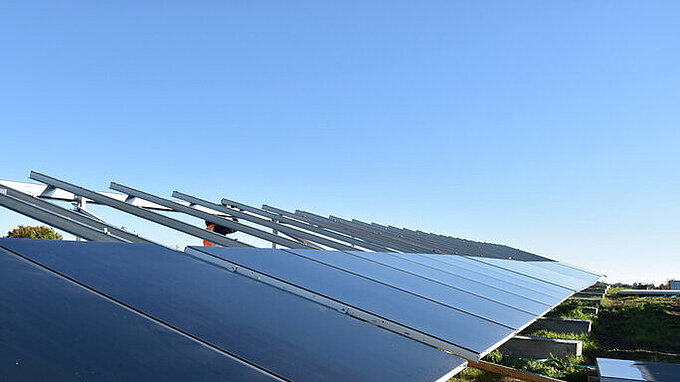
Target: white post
x: 81, y: 205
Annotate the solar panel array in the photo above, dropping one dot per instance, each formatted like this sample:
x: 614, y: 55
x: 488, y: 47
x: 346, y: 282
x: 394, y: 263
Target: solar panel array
x: 387, y: 304
x: 107, y: 311
x: 466, y: 305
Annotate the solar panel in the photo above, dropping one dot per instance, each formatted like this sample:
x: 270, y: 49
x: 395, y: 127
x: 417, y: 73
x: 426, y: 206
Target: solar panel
x: 489, y: 275
x: 554, y: 276
x: 566, y: 269
x: 467, y: 318
x: 54, y: 329
x: 621, y: 370
x: 454, y: 294
x: 555, y: 291
x: 278, y: 331
x: 464, y: 281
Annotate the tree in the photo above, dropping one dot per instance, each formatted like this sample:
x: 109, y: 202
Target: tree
x: 37, y: 232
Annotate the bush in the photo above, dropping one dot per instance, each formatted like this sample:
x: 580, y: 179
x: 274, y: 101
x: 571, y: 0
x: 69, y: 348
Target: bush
x: 37, y: 232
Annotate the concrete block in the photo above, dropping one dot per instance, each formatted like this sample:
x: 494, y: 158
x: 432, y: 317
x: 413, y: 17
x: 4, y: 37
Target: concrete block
x: 561, y: 325
x: 593, y: 301
x: 539, y: 347
x: 589, y: 310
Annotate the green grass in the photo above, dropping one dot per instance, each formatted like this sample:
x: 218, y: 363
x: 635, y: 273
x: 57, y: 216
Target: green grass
x: 570, y: 309
x: 590, y: 347
x: 640, y: 328
x: 643, y: 328
x: 567, y: 370
x: 475, y: 375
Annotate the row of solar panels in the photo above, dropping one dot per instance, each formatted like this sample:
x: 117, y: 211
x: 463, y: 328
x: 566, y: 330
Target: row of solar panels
x: 110, y: 311
x: 248, y: 313
x: 107, y: 311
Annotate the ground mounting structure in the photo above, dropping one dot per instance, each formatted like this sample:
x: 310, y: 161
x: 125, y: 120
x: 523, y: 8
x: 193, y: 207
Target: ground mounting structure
x: 334, y: 299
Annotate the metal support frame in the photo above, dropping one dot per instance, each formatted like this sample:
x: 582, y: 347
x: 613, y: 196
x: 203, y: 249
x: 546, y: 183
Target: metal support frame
x: 294, y: 220
x: 361, y: 234
x: 424, y: 240
x: 138, y: 211
x: 332, y: 230
x: 209, y: 217
x: 48, y: 192
x: 396, y: 240
x: 401, y: 235
x: 55, y: 220
x: 300, y: 229
x: 263, y: 222
x: 97, y: 225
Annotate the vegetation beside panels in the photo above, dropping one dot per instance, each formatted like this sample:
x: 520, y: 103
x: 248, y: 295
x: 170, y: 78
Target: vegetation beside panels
x: 475, y: 375
x: 631, y: 327
x: 34, y: 232
x: 640, y: 328
x: 571, y: 309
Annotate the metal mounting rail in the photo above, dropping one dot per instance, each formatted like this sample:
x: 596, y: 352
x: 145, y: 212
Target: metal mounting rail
x: 405, y: 244
x: 292, y: 219
x: 263, y: 222
x: 300, y: 224
x: 138, y: 211
x: 206, y: 216
x: 53, y: 219
x: 398, y: 235
x: 361, y: 234
x: 328, y: 226
x: 78, y: 217
x: 48, y: 192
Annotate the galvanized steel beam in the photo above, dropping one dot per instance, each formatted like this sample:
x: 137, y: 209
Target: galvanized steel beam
x: 363, y: 235
x: 263, y: 222
x: 78, y: 217
x: 402, y: 245
x: 300, y: 224
x: 307, y: 224
x: 208, y: 217
x: 138, y: 211
x: 53, y: 219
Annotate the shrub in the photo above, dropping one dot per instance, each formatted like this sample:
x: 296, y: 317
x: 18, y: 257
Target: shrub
x: 37, y: 232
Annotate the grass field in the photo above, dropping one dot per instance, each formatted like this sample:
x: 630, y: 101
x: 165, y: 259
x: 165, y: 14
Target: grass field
x: 637, y: 328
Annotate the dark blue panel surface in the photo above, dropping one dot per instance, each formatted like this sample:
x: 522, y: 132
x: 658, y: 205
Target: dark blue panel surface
x: 52, y: 329
x: 456, y: 327
x: 488, y: 275
x: 527, y: 268
x: 276, y: 330
x: 621, y: 370
x: 452, y: 293
x: 586, y: 276
x: 462, y: 280
x: 542, y: 286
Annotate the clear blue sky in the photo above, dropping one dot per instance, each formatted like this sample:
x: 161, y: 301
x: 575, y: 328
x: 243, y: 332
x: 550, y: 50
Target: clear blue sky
x: 550, y: 126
